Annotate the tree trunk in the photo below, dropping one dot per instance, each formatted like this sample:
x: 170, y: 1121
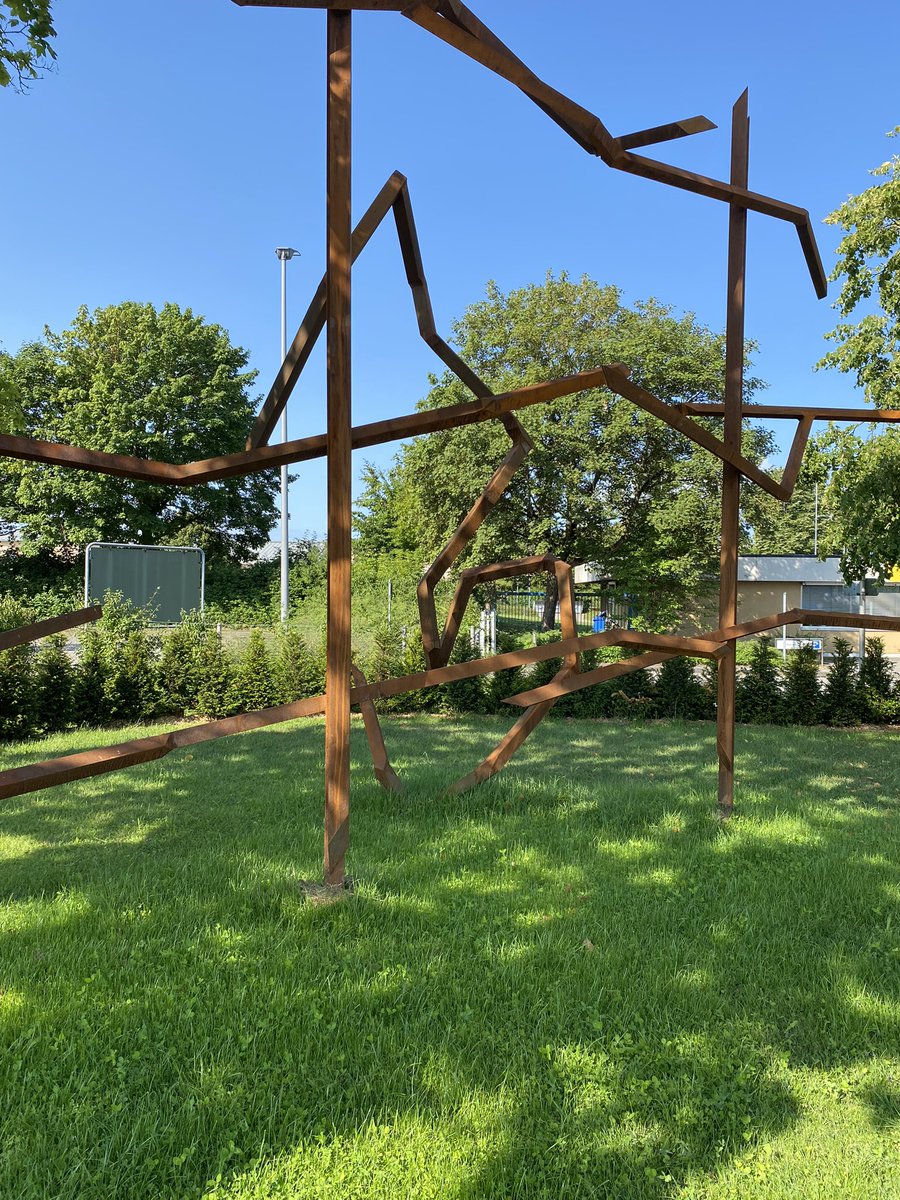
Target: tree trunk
x: 551, y: 598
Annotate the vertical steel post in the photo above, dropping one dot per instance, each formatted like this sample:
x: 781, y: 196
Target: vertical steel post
x: 284, y: 437
x: 339, y: 258
x: 731, y: 478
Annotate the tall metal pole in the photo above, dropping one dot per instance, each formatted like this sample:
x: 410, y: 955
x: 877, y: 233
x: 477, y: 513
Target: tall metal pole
x: 339, y: 258
x: 285, y: 254
x: 731, y: 478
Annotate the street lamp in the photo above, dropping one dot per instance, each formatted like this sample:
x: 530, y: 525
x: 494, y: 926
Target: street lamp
x: 285, y: 254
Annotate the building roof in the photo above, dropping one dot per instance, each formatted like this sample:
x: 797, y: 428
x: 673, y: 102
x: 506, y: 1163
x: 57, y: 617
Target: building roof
x: 788, y: 568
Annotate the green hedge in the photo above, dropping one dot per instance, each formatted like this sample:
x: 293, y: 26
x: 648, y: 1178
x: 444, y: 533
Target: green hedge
x: 126, y: 673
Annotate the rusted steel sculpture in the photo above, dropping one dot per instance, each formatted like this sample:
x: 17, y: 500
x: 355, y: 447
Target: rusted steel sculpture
x: 330, y: 311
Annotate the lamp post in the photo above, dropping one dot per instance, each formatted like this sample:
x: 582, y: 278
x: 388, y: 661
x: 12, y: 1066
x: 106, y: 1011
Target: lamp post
x: 285, y: 254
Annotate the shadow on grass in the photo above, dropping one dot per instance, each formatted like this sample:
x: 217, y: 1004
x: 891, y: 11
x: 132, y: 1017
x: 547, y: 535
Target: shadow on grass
x: 573, y: 981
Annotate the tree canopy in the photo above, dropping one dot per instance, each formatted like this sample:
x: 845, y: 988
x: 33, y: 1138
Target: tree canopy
x: 869, y: 267
x: 864, y: 495
x: 605, y: 482
x: 791, y: 528
x: 26, y: 41
x: 865, y: 485
x: 132, y: 379
x: 10, y: 402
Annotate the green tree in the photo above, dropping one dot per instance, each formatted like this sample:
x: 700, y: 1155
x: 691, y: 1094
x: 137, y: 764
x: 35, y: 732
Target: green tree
x: 869, y: 267
x: 864, y: 496
x: 842, y: 700
x: 790, y: 528
x: 253, y: 685
x: 865, y: 491
x: 17, y: 694
x: 298, y: 672
x: 26, y: 41
x: 10, y: 400
x: 178, y: 664
x: 54, y: 677
x: 214, y: 675
x: 135, y: 380
x: 802, y: 690
x: 605, y: 482
x: 875, y: 673
x: 117, y: 676
x: 679, y: 693
x: 876, y: 683
x: 759, y: 699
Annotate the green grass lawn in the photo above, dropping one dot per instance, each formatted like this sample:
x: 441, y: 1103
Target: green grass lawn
x: 573, y: 982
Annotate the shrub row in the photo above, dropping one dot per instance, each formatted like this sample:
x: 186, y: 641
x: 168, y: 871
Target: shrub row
x: 793, y: 693
x: 125, y: 673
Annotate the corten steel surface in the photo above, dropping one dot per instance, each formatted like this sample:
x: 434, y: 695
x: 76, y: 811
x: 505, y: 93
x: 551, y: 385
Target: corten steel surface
x: 340, y: 474
x: 42, y: 629
x: 434, y: 420
x: 246, y: 462
x: 381, y: 764
x: 529, y: 721
x: 456, y: 25
x: 731, y: 477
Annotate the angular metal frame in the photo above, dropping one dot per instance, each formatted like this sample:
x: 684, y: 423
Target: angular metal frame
x: 453, y: 23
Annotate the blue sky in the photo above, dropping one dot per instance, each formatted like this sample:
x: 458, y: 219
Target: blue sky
x: 179, y: 143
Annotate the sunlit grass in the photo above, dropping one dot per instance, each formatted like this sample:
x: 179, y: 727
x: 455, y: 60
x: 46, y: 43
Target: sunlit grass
x: 574, y: 982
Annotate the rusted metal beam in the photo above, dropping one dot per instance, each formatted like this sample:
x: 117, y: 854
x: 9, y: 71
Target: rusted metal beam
x: 510, y: 743
x: 246, y: 462
x: 728, y: 452
x: 340, y: 475
x: 381, y: 764
x: 42, y: 629
x: 472, y: 39
x: 532, y: 718
x: 313, y: 322
x: 788, y: 412
x: 437, y: 648
x: 666, y: 133
x: 731, y: 476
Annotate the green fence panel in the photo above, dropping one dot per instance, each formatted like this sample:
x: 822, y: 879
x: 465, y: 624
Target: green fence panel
x: 168, y: 579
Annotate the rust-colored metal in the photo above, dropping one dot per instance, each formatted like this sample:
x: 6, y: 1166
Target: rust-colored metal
x: 454, y: 24
x: 339, y: 250
x: 718, y: 638
x: 246, y: 462
x: 666, y: 133
x: 393, y: 197
x: 529, y: 721
x: 731, y: 477
x: 513, y: 741
x: 673, y: 416
x: 35, y: 776
x: 42, y: 629
x: 329, y: 309
x: 381, y: 764
x: 378, y: 433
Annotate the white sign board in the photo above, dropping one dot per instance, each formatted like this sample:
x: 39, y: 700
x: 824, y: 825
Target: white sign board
x: 798, y: 643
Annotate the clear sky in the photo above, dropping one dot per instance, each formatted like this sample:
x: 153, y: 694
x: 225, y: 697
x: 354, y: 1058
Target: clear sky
x: 179, y: 143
